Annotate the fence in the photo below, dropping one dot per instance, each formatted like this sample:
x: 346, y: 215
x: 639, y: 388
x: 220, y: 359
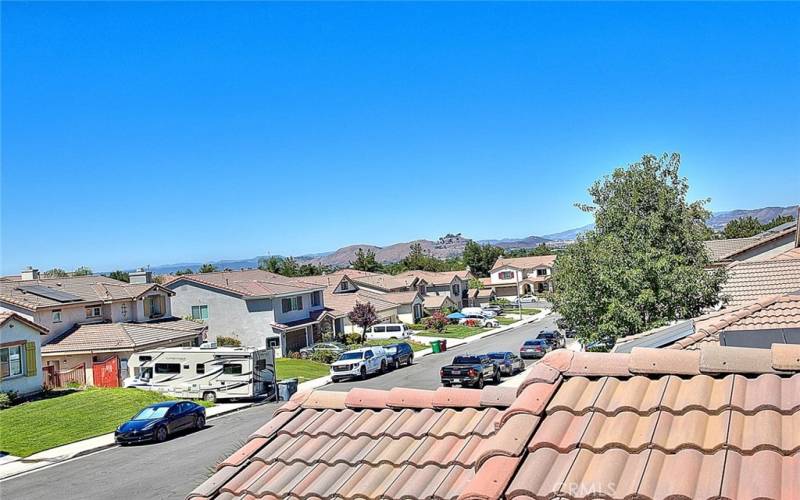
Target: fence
x: 54, y: 379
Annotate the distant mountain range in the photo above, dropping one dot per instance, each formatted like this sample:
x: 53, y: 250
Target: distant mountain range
x: 452, y: 245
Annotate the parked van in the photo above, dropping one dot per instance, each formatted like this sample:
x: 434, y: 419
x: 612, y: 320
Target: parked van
x: 207, y: 372
x: 389, y: 331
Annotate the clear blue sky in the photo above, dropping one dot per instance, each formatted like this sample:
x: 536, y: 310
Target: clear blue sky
x: 152, y: 133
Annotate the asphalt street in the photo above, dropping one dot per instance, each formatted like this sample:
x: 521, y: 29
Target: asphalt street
x: 172, y: 469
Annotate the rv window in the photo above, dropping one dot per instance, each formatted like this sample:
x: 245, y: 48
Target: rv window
x: 164, y: 368
x: 142, y: 359
x: 200, y: 368
x: 232, y: 369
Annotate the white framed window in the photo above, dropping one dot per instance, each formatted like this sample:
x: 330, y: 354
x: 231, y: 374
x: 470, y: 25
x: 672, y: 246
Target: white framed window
x: 123, y: 309
x: 11, y: 361
x: 57, y: 316
x: 456, y: 289
x: 344, y: 286
x: 506, y: 275
x: 200, y: 312
x: 541, y: 272
x: 316, y: 298
x: 292, y: 304
x: 94, y: 311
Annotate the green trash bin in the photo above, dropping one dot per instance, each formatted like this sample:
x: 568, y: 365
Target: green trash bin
x: 436, y: 346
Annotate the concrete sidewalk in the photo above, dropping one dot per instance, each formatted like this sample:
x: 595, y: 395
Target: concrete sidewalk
x: 11, y: 466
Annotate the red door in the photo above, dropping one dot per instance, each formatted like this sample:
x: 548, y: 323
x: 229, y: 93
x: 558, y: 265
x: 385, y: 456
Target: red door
x: 106, y: 373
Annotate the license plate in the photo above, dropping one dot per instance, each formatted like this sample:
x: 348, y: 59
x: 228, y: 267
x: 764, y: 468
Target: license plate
x: 456, y: 380
x: 455, y: 372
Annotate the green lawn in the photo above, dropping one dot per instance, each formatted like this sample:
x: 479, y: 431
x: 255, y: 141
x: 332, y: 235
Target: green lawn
x: 31, y: 427
x: 530, y: 311
x: 301, y: 369
x: 507, y: 320
x: 455, y: 332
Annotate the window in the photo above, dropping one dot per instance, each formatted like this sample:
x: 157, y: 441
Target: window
x: 143, y: 359
x: 94, y: 311
x: 154, y: 306
x: 200, y: 312
x: 273, y: 342
x: 316, y: 298
x: 168, y: 368
x: 200, y: 368
x: 506, y: 275
x: 292, y: 304
x: 456, y: 289
x: 379, y: 329
x: 11, y: 361
x: 57, y: 316
x: 344, y: 286
x: 123, y: 310
x: 232, y: 369
x: 541, y: 272
x: 394, y: 328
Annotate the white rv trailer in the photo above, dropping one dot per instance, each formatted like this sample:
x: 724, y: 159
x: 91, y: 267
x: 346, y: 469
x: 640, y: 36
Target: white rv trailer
x: 208, y: 372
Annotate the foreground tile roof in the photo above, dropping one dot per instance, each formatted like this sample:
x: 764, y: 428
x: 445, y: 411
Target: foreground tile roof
x: 748, y: 281
x: 794, y: 253
x: 651, y: 424
x: 122, y: 336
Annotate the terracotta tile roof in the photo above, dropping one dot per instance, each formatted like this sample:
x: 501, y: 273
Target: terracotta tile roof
x: 85, y: 289
x: 748, y: 281
x: 398, y: 298
x: 249, y: 283
x: 340, y: 304
x: 525, y: 262
x: 437, y: 278
x: 435, y: 301
x: 6, y: 316
x: 383, y: 282
x: 123, y: 336
x: 720, y: 250
x: 581, y: 425
x: 794, y: 253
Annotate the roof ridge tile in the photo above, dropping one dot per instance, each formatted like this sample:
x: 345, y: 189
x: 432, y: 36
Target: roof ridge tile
x: 650, y: 360
x: 400, y: 397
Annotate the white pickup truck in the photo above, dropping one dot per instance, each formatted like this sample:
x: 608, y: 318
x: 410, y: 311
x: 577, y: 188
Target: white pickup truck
x: 359, y: 363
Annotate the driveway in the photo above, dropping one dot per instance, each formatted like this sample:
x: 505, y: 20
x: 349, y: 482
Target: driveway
x: 172, y: 469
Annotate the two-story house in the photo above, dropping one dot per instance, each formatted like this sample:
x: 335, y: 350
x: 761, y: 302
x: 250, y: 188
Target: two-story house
x: 20, y: 354
x: 94, y: 319
x: 451, y: 284
x: 257, y: 307
x: 514, y: 277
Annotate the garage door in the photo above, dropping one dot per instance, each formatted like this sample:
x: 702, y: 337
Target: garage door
x: 295, y: 340
x: 505, y: 291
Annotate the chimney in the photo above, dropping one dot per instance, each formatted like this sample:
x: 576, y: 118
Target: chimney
x: 29, y: 273
x: 141, y: 277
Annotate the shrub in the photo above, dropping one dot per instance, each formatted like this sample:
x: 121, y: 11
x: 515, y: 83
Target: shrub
x: 416, y: 326
x: 471, y: 322
x: 73, y: 385
x: 294, y: 355
x: 7, y: 399
x: 352, y: 338
x: 324, y: 356
x: 436, y: 322
x: 224, y: 341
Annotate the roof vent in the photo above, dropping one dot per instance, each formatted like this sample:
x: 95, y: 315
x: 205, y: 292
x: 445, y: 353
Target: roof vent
x: 29, y: 273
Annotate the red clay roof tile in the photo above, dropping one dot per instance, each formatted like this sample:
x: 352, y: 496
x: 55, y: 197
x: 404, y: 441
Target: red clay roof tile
x: 660, y: 361
x: 637, y: 394
x: 766, y: 392
x: 540, y: 373
x: 449, y: 397
x: 498, y: 396
x: 697, y: 393
x: 598, y: 364
x: 410, y: 398
x: 577, y: 394
x: 320, y: 400
x: 532, y: 401
x: 717, y: 359
x: 559, y: 359
x: 366, y: 398
x: 785, y: 357
x: 765, y: 474
x: 685, y: 474
x: 492, y: 479
x: 696, y: 430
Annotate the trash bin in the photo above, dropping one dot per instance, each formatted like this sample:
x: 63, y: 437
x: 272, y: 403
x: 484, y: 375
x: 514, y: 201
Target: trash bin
x: 444, y: 345
x: 436, y: 346
x: 286, y: 388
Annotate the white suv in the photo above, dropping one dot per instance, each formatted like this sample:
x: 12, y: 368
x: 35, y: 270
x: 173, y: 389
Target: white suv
x: 359, y: 363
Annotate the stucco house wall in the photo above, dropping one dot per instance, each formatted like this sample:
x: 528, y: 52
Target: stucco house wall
x: 228, y: 315
x: 14, y: 333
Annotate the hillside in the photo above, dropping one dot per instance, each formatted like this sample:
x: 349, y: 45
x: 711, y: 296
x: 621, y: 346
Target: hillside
x: 444, y: 247
x: 766, y: 214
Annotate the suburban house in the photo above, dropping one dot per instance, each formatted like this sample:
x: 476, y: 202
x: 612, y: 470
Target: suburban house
x: 762, y: 246
x: 434, y: 303
x: 80, y: 314
x: 453, y: 284
x: 20, y: 354
x: 650, y: 424
x: 517, y: 276
x: 257, y: 307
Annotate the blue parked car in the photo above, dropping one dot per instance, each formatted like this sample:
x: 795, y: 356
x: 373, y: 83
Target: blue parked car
x: 158, y: 421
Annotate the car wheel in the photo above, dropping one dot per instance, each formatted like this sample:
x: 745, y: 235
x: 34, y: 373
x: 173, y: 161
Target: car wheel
x: 445, y: 383
x: 199, y: 422
x: 210, y: 396
x: 410, y: 360
x: 161, y: 434
x: 496, y: 377
x: 479, y: 383
x: 383, y: 366
x: 363, y: 373
x: 396, y: 364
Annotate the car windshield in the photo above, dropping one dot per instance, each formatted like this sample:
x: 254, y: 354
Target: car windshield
x: 351, y: 355
x: 151, y: 412
x: 390, y: 349
x: 497, y: 355
x: 466, y: 360
x: 533, y: 342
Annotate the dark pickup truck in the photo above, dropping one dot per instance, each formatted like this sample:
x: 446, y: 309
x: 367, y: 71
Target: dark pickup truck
x: 470, y: 371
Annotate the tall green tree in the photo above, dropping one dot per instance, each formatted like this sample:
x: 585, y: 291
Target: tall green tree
x: 120, y: 276
x: 742, y: 228
x: 182, y: 272
x: 207, y: 268
x: 644, y: 262
x: 56, y: 272
x: 481, y: 258
x: 82, y: 271
x: 271, y: 264
x: 289, y: 267
x: 365, y: 261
